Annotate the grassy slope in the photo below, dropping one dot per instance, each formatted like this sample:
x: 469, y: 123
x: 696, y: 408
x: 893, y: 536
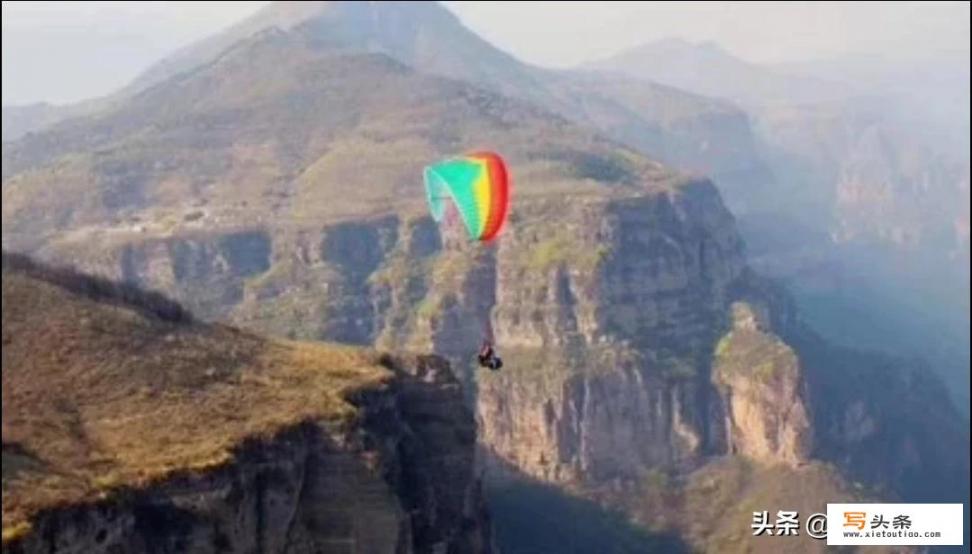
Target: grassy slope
x: 99, y: 395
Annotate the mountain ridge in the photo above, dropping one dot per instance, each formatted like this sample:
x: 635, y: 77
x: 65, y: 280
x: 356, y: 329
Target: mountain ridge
x: 433, y: 40
x: 706, y: 68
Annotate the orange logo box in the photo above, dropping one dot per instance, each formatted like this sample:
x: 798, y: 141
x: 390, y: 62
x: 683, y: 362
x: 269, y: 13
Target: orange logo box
x: 855, y: 519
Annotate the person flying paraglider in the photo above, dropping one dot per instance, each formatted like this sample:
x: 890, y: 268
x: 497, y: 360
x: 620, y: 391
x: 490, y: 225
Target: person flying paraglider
x: 477, y: 187
x: 488, y: 358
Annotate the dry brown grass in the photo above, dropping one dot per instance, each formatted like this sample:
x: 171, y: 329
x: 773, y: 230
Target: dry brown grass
x: 99, y: 396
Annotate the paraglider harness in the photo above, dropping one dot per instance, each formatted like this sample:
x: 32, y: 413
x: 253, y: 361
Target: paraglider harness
x: 488, y: 358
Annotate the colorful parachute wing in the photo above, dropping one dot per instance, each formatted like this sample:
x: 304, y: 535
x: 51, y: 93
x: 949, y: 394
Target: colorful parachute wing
x: 478, y: 185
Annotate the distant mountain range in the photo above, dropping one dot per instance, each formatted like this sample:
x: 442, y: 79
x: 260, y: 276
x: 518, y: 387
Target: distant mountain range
x: 705, y: 68
x: 829, y: 128
x: 869, y: 169
x: 274, y: 128
x: 781, y: 152
x: 670, y: 125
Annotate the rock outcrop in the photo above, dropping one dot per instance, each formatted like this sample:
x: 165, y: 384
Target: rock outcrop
x: 394, y: 486
x: 116, y: 417
x: 763, y: 390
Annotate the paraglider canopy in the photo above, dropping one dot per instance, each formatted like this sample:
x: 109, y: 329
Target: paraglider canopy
x: 478, y: 185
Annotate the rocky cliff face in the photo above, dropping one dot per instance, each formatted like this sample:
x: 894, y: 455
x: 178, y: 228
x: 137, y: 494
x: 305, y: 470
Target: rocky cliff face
x: 606, y: 310
x: 401, y: 482
x: 327, y: 449
x: 613, y: 311
x: 606, y: 307
x: 762, y: 385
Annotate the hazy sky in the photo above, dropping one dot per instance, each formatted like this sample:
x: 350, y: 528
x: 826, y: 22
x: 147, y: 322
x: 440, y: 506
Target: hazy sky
x: 575, y: 32
x: 66, y: 51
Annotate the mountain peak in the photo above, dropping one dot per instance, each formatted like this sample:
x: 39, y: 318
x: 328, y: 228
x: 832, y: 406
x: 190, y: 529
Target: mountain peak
x: 706, y: 68
x: 680, y: 44
x: 675, y: 50
x: 412, y: 32
x: 289, y: 14
x: 292, y: 12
